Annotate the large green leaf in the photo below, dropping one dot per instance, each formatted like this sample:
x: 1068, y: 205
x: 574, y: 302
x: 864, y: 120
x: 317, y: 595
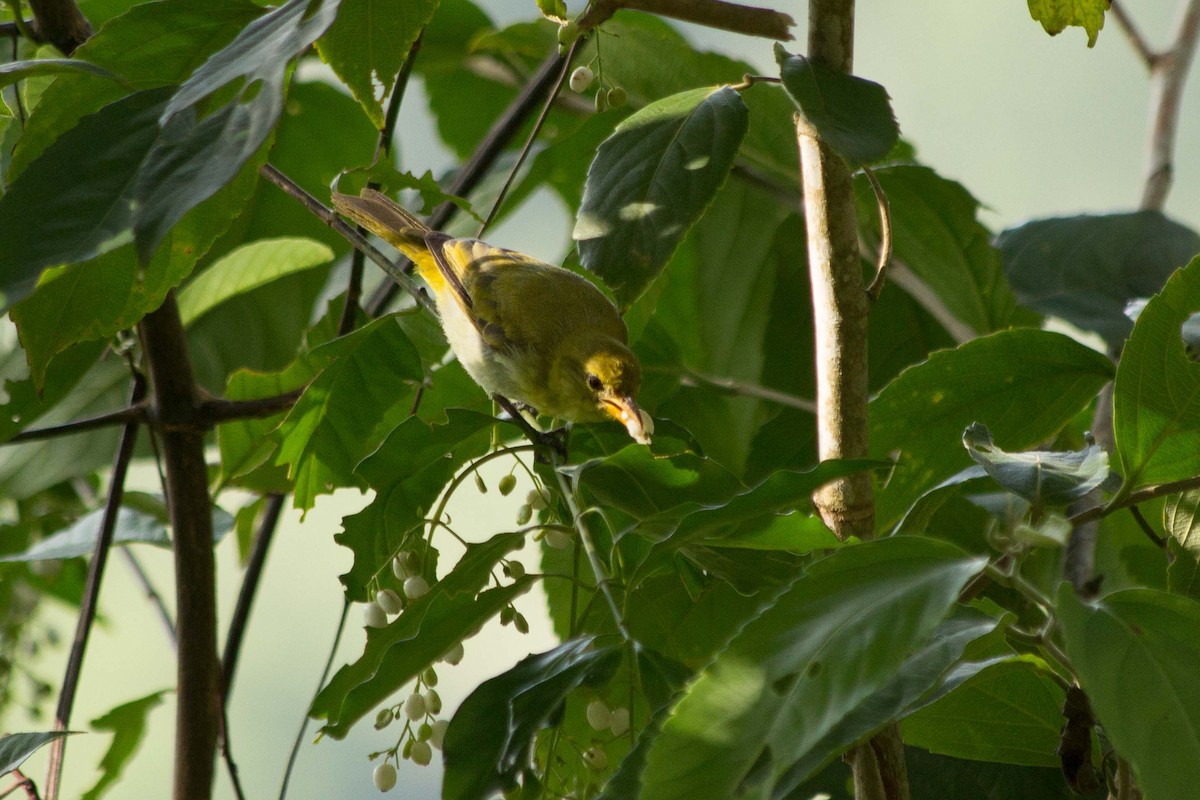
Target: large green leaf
x: 491, y: 735
x: 1010, y: 712
x: 944, y: 778
x: 359, y: 395
x: 97, y: 298
x: 1023, y: 384
x: 16, y: 747
x: 936, y: 234
x: 1136, y: 653
x: 1156, y: 397
x: 852, y: 115
x: 643, y: 485
x: 249, y: 267
x: 1086, y: 269
x: 408, y: 472
x: 173, y: 38
x: 73, y: 202
x: 24, y: 403
x: 194, y: 156
x: 128, y: 725
x: 368, y: 43
x: 454, y: 609
x: 651, y: 180
x: 249, y: 446
x: 839, y: 634
x: 1056, y: 15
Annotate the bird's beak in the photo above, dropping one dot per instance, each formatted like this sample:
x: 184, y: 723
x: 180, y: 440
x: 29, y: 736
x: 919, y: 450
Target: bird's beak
x: 625, y: 411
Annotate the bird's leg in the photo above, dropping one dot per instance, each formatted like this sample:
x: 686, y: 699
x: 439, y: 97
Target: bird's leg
x: 525, y: 418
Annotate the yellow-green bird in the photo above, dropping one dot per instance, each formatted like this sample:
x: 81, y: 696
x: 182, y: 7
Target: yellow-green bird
x: 529, y: 331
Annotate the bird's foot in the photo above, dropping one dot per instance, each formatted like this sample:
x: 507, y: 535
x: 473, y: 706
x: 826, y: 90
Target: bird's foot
x: 547, y: 444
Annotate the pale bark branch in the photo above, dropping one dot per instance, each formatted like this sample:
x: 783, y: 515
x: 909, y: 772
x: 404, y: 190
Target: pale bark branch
x: 1170, y: 72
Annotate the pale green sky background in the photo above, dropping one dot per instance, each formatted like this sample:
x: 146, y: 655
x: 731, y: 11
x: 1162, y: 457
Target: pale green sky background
x: 1032, y: 125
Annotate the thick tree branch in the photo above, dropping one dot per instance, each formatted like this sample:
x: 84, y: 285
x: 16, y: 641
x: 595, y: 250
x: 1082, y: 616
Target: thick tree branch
x: 749, y: 20
x: 839, y: 298
x: 61, y: 23
x: 91, y: 591
x: 175, y: 403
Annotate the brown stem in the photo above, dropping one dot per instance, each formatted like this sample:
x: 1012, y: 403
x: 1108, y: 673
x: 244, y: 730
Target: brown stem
x: 122, y: 416
x: 26, y: 784
x: 839, y: 298
x: 1135, y: 498
x: 189, y: 509
x: 1139, y: 43
x: 61, y: 23
x: 215, y: 410
x: 749, y: 20
x: 91, y: 591
x: 1169, y: 73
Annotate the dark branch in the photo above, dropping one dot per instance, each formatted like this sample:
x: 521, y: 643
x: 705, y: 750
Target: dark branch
x: 1136, y: 498
x: 245, y: 601
x: 214, y: 410
x: 61, y: 23
x: 724, y: 16
x: 151, y: 594
x: 91, y: 592
x: 122, y: 416
x: 189, y: 509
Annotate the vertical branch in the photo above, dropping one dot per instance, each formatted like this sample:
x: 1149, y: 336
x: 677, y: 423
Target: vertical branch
x: 61, y: 23
x: 91, y: 592
x: 175, y: 404
x: 1169, y: 73
x: 839, y: 297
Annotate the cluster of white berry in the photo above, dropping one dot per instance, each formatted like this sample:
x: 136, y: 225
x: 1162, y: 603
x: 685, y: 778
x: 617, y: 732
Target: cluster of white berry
x: 389, y: 603
x: 582, y: 78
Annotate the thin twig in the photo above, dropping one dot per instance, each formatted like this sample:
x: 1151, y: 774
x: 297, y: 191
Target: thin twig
x: 91, y: 591
x: 295, y: 752
x: 151, y: 593
x: 1135, y: 498
x: 214, y: 410
x: 241, y: 612
x: 1170, y: 72
x: 123, y: 416
x: 749, y: 80
x: 497, y: 139
x: 885, y: 235
x: 226, y: 748
x: 916, y: 288
x: 691, y: 378
x: 718, y: 14
x: 1148, y: 56
x: 1146, y: 529
x: 533, y: 134
x: 26, y: 783
x: 343, y: 229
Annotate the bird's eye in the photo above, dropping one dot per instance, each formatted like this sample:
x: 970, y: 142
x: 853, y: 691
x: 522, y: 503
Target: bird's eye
x: 594, y: 383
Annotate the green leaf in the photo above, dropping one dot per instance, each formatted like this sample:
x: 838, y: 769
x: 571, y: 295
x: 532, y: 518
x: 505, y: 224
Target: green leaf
x: 839, y: 634
x: 249, y: 446
x: 1086, y: 269
x: 491, y: 735
x: 936, y: 234
x: 73, y: 202
x: 173, y: 38
x: 25, y: 403
x: 1136, y: 653
x: 133, y: 526
x: 1042, y: 477
x: 128, y: 724
x: 195, y: 157
x: 1011, y: 712
x: 393, y: 180
x: 852, y: 115
x: 368, y: 43
x: 643, y: 485
x: 1180, y: 520
x: 348, y: 408
x: 15, y: 71
x: 917, y: 676
x: 1056, y: 15
x: 454, y: 609
x: 248, y: 267
x: 945, y: 778
x: 16, y: 747
x: 651, y: 180
x: 1023, y: 384
x: 97, y: 298
x: 1156, y: 396
x: 408, y: 472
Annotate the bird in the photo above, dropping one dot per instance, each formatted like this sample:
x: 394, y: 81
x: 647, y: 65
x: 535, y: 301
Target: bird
x: 526, y: 331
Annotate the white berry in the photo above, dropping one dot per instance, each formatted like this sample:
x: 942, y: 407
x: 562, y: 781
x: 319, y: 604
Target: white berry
x: 416, y: 587
x: 618, y: 721
x: 385, y: 776
x: 454, y: 655
x: 389, y: 601
x: 581, y: 79
x: 595, y: 758
x: 433, y: 701
x: 421, y: 753
x: 439, y: 733
x: 373, y: 616
x: 598, y: 715
x: 558, y: 540
x: 414, y: 706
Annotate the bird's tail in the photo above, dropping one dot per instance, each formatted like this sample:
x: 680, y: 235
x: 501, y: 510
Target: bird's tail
x: 390, y: 221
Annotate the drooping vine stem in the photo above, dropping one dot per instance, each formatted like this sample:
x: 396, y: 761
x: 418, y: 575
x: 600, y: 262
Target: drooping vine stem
x: 91, y: 592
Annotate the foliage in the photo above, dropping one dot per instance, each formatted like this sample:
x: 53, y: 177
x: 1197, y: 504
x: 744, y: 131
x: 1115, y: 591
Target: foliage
x: 717, y: 641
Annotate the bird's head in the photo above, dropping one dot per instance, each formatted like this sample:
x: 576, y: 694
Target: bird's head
x: 601, y: 376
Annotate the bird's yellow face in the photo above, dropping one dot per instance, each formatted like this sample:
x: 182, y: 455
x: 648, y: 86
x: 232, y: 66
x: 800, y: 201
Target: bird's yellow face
x: 602, y: 377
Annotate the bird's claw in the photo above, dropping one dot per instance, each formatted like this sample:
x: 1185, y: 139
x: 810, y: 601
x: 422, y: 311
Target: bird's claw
x: 550, y: 443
